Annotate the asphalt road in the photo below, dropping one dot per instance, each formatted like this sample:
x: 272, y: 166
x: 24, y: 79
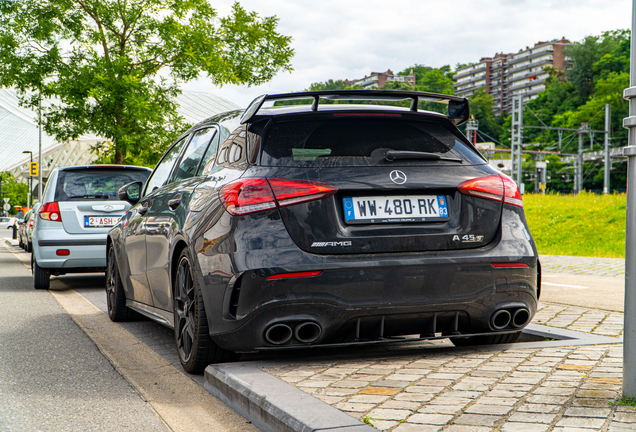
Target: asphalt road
x: 65, y: 366
x: 52, y: 376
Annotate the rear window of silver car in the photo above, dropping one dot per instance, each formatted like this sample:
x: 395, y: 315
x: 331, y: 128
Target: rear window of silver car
x: 95, y: 183
x: 359, y: 142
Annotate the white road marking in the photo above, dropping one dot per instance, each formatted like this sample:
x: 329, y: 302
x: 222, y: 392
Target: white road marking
x: 564, y: 285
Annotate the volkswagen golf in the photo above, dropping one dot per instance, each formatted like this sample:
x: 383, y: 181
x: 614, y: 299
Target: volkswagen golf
x: 341, y: 218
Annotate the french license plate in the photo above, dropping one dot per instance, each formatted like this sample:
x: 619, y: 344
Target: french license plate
x: 100, y: 221
x: 387, y: 209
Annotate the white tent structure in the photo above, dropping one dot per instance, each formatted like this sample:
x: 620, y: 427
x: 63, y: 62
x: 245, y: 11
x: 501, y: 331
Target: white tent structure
x: 19, y: 133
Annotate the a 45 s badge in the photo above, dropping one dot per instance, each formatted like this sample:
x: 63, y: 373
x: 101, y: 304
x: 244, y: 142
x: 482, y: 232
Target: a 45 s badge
x: 469, y: 238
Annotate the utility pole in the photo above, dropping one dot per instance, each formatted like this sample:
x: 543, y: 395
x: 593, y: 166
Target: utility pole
x: 608, y: 162
x: 517, y: 138
x: 40, y: 149
x: 579, y: 164
x: 471, y: 130
x: 629, y: 334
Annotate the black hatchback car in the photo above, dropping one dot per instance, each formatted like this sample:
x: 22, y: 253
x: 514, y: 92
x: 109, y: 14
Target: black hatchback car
x: 324, y: 224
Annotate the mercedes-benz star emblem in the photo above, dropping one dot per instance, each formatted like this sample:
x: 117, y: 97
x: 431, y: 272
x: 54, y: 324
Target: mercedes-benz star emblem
x: 397, y: 177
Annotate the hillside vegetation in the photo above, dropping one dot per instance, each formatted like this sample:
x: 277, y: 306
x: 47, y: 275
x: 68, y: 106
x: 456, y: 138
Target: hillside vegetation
x: 586, y: 224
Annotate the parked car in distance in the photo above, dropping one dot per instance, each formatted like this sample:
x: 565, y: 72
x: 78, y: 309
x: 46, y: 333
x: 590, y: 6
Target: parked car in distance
x: 324, y: 224
x: 25, y: 229
x: 7, y: 222
x: 79, y: 206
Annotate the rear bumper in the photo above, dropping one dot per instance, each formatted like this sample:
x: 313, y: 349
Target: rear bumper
x: 371, y: 295
x: 85, y: 251
x: 371, y: 303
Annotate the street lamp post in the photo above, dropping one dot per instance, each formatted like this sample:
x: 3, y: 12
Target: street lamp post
x: 30, y: 179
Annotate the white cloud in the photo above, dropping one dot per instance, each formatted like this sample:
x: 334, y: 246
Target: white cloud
x: 337, y: 39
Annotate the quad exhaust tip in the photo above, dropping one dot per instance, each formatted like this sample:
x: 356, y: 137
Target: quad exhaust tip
x: 278, y: 334
x: 500, y: 319
x: 521, y: 317
x: 307, y: 332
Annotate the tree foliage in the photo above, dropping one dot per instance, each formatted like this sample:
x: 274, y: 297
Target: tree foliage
x: 113, y: 68
x: 16, y: 191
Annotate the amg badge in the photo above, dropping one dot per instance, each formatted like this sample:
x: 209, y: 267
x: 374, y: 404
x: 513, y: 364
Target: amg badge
x: 331, y: 244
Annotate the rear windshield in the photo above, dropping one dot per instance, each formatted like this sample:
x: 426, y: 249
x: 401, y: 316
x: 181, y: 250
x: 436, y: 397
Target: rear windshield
x: 360, y: 141
x: 95, y: 183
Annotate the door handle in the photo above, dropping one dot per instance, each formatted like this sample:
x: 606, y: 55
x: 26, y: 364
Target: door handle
x: 175, y: 202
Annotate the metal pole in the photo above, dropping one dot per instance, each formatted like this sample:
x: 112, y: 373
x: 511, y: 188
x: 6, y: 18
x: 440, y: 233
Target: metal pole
x: 629, y: 333
x: 520, y: 147
x: 40, y: 149
x: 608, y: 162
x: 579, y: 164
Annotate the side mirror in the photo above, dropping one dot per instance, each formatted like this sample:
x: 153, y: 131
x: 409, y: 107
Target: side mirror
x: 131, y: 192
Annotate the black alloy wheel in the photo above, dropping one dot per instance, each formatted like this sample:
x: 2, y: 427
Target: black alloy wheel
x: 115, y: 295
x: 195, y: 346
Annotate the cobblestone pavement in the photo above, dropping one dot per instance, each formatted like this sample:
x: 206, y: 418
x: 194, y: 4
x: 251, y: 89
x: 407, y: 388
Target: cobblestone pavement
x: 563, y: 389
x: 583, y: 265
x: 595, y: 321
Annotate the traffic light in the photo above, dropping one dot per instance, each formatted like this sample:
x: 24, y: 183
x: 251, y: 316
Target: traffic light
x: 33, y: 169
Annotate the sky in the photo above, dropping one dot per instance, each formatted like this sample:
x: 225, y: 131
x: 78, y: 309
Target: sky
x: 336, y: 39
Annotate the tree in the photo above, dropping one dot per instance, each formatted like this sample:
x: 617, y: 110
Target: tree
x: 481, y: 106
x: 15, y: 191
x: 432, y: 80
x: 113, y: 68
x: 590, y: 51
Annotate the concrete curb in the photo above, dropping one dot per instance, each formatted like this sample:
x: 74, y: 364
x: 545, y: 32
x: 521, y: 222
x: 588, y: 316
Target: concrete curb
x: 273, y: 405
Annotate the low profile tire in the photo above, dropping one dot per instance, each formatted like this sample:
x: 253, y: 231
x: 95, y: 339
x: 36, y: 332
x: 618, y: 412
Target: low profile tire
x: 29, y: 247
x: 195, y: 346
x: 486, y: 340
x: 115, y: 295
x: 41, y: 276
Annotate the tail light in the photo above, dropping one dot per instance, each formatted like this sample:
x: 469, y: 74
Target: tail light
x: 496, y: 187
x: 31, y: 223
x: 51, y: 212
x: 251, y: 195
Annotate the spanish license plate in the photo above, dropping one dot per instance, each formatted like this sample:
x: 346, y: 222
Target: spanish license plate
x: 100, y: 221
x: 391, y: 209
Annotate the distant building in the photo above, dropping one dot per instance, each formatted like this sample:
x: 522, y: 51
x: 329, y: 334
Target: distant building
x: 507, y: 75
x: 377, y: 80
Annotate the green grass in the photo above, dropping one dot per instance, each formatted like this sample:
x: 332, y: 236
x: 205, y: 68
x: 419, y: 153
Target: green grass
x: 579, y: 225
x: 625, y: 401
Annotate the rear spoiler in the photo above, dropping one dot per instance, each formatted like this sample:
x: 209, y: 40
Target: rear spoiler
x: 458, y: 109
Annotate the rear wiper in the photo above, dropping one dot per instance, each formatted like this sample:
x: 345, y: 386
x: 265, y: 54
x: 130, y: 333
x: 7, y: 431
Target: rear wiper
x: 392, y: 155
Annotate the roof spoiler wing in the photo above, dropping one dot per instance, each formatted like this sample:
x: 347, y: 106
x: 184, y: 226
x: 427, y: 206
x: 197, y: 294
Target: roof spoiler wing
x: 458, y: 108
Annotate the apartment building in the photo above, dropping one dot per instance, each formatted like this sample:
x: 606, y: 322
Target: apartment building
x: 508, y: 75
x: 377, y: 80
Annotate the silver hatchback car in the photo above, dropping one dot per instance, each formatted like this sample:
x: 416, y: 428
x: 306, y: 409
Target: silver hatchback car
x: 80, y: 205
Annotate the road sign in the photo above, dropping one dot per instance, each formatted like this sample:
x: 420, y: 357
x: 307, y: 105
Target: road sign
x: 33, y: 169
x: 7, y: 207
x: 542, y: 186
x: 6, y: 200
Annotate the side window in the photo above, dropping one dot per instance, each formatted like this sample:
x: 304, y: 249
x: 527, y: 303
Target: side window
x: 214, y: 159
x: 233, y: 149
x: 209, y: 158
x: 193, y: 155
x: 162, y: 171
